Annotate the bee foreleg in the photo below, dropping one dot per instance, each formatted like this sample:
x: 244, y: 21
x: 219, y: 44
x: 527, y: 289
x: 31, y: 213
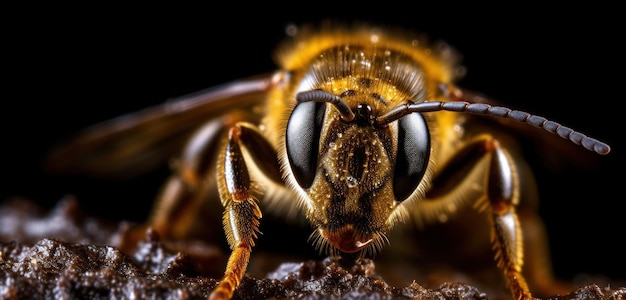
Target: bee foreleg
x: 482, y: 169
x: 241, y: 211
x: 503, y: 196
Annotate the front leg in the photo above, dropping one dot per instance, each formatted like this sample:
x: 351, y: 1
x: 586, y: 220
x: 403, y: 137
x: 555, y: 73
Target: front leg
x: 483, y: 168
x: 503, y: 197
x: 241, y: 211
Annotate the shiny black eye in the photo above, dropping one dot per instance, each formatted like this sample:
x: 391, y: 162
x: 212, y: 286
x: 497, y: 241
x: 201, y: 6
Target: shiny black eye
x: 302, y: 140
x: 412, y: 156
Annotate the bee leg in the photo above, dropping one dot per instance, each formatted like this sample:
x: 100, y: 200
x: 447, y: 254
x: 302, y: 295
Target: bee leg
x: 508, y: 189
x: 482, y: 169
x: 185, y: 191
x: 484, y: 165
x: 188, y: 188
x: 242, y: 215
x: 503, y: 196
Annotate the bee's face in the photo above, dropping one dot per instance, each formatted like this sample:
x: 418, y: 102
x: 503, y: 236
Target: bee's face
x: 348, y: 183
x: 355, y: 173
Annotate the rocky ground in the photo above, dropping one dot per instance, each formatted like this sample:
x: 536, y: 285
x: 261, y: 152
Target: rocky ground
x: 66, y: 254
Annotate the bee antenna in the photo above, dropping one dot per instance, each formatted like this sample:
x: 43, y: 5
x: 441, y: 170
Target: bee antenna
x: 323, y: 96
x: 496, y: 111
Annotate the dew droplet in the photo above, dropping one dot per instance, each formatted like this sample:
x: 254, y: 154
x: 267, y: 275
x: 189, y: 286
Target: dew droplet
x: 351, y: 181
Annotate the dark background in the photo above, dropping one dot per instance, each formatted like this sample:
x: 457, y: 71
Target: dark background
x: 65, y: 68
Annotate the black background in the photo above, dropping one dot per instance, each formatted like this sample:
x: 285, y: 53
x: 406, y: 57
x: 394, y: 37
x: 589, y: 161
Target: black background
x: 65, y: 68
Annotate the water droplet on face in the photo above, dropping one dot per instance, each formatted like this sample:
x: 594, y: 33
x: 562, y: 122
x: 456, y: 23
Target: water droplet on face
x: 351, y: 181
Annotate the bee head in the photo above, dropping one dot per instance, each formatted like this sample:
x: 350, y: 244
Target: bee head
x: 353, y: 171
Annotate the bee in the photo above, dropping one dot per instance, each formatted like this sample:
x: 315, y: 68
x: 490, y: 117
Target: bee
x: 359, y: 129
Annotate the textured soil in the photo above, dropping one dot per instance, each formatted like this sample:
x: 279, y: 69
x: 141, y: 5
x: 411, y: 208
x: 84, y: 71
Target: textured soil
x: 65, y: 254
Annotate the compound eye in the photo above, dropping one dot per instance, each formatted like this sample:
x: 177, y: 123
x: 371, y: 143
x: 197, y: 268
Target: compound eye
x: 302, y: 140
x: 413, y: 154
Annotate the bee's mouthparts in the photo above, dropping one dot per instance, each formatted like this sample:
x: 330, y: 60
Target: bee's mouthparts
x: 346, y: 239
